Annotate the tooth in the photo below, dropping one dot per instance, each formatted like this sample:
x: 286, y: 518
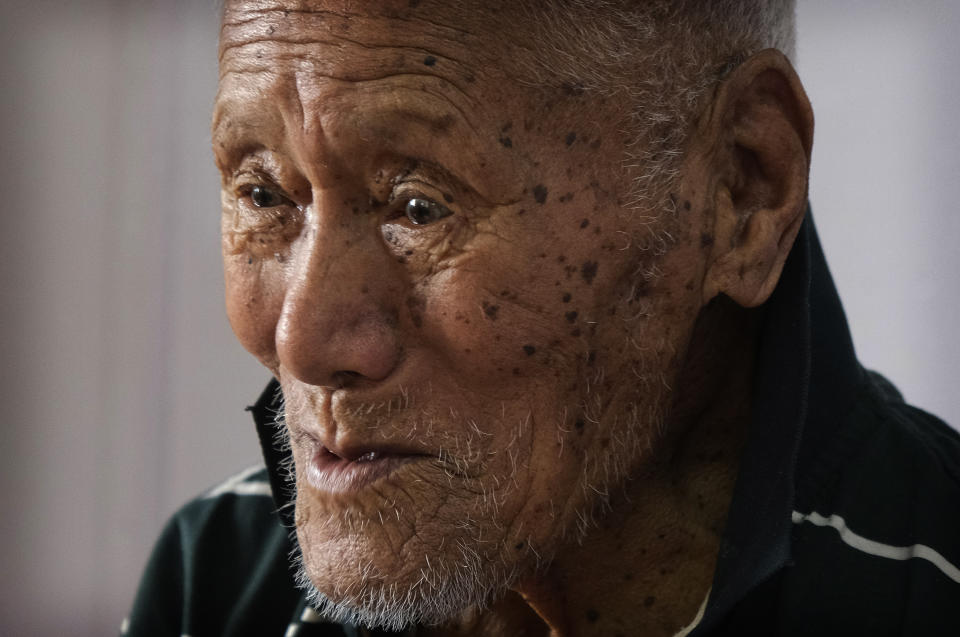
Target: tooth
x: 370, y: 455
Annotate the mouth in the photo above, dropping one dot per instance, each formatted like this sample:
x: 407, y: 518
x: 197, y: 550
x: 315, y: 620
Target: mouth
x: 340, y: 472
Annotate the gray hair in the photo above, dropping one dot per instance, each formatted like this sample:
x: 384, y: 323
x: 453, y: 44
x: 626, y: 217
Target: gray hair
x: 665, y: 55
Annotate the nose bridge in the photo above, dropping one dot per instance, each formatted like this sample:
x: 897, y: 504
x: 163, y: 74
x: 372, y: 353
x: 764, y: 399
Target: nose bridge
x: 339, y: 319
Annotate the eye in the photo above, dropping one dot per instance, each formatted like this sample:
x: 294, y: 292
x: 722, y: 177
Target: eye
x: 424, y: 211
x: 263, y: 197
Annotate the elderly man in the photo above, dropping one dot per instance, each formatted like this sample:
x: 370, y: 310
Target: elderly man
x: 555, y: 346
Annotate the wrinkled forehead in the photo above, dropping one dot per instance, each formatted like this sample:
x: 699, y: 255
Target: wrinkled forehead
x: 478, y: 33
x: 322, y: 79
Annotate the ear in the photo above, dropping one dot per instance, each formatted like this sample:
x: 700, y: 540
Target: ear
x: 759, y: 129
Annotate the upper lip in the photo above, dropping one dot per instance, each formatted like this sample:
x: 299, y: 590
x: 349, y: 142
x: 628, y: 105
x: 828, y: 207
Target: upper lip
x: 354, y: 452
x: 334, y: 435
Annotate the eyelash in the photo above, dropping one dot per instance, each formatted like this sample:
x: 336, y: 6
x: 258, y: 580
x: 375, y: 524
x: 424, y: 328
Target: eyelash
x: 247, y: 192
x: 415, y: 204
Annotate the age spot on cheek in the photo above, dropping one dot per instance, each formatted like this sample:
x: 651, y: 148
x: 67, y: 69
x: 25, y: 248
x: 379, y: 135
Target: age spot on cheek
x: 588, y: 271
x: 540, y: 193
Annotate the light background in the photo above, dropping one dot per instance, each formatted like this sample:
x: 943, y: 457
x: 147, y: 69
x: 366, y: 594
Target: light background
x: 122, y: 386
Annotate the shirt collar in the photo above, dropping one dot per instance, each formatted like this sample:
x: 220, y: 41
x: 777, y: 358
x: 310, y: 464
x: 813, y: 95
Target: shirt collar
x: 806, y: 370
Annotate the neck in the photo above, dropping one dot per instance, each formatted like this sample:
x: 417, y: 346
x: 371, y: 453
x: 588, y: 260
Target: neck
x: 647, y: 567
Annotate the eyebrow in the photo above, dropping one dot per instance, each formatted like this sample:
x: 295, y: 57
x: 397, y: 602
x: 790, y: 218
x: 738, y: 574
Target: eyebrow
x: 232, y: 139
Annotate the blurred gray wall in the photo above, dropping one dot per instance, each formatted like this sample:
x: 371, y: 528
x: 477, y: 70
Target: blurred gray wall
x: 122, y: 386
x: 123, y: 389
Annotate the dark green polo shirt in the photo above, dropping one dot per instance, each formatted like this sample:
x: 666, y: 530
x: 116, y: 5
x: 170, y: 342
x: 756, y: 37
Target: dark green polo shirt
x: 845, y: 518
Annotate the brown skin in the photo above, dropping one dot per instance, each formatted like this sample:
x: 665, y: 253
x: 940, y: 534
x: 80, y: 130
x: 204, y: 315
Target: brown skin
x: 512, y: 343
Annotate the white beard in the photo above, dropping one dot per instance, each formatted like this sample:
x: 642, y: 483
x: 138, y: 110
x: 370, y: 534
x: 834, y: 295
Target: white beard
x: 443, y: 592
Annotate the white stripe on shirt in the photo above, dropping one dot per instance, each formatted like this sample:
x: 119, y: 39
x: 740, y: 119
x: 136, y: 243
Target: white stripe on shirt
x: 238, y: 486
x: 872, y: 547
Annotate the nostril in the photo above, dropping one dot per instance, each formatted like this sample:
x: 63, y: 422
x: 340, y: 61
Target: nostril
x: 346, y: 378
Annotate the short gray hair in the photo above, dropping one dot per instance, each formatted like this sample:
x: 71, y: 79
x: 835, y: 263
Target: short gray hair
x: 665, y: 55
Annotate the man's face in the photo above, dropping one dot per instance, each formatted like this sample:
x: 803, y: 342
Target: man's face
x: 474, y: 334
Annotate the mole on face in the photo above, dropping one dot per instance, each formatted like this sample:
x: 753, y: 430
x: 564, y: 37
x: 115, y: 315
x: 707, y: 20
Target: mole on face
x: 540, y: 193
x: 490, y: 310
x: 529, y: 350
x: 429, y: 60
x: 640, y: 290
x: 571, y: 137
x: 588, y: 271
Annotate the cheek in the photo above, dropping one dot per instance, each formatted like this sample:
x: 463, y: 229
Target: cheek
x: 520, y: 326
x: 254, y: 300
x: 492, y: 323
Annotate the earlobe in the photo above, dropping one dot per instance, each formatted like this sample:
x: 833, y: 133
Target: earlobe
x: 761, y: 127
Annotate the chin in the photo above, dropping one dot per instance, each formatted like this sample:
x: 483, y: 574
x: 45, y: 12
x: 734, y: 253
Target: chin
x: 397, y: 572
x: 376, y: 603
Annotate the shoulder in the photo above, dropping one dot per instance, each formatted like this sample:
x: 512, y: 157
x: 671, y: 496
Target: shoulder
x: 877, y: 519
x: 220, y: 561
x: 241, y: 503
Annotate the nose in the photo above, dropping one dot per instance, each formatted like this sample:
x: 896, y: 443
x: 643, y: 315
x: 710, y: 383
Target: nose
x: 339, y: 322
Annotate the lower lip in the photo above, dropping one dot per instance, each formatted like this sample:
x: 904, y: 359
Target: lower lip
x: 333, y: 474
